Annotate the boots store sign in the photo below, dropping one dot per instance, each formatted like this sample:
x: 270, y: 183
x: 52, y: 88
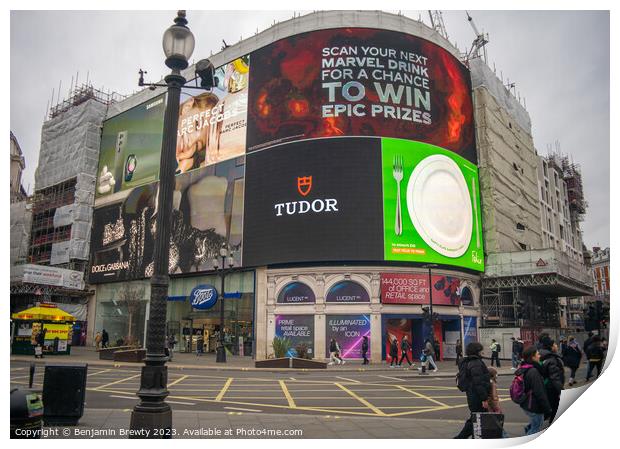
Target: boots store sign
x: 203, y: 297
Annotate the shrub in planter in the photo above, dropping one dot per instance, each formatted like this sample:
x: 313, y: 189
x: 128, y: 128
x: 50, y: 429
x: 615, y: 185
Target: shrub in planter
x: 280, y: 346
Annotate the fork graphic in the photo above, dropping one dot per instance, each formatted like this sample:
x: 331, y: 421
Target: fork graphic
x: 397, y: 172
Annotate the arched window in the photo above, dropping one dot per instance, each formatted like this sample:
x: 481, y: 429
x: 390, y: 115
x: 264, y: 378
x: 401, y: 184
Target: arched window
x: 296, y: 293
x: 344, y: 292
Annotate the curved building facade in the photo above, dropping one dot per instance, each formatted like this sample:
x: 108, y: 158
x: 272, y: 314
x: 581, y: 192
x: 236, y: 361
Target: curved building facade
x: 336, y: 158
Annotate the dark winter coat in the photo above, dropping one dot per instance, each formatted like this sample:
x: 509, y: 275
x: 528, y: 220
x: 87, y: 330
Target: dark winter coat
x: 517, y: 348
x: 365, y: 345
x: 537, y: 401
x: 553, y: 370
x: 105, y: 338
x: 405, y: 345
x: 587, y: 344
x: 333, y: 346
x: 479, y: 380
x: 595, y: 352
x: 572, y: 356
x: 394, y: 348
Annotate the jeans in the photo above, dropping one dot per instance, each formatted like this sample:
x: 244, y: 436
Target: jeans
x: 495, y: 356
x: 404, y: 356
x: 515, y: 360
x: 536, y: 422
x: 431, y: 361
x: 591, y: 365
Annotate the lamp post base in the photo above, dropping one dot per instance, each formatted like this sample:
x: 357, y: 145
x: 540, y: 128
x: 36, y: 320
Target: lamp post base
x: 220, y: 354
x: 147, y: 422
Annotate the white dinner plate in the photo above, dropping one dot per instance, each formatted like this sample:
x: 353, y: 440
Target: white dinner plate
x: 439, y: 205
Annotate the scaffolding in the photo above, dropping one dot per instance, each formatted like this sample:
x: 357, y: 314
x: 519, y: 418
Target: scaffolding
x: 571, y: 174
x: 81, y: 94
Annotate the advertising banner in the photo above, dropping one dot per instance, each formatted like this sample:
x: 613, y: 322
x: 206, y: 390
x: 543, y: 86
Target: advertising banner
x: 131, y: 147
x: 60, y: 277
x: 348, y: 330
x: 57, y: 330
x: 359, y: 82
x: 431, y: 205
x: 207, y: 212
x: 406, y: 288
x: 299, y: 329
x: 296, y: 293
x: 314, y: 200
x: 470, y: 330
x: 397, y: 329
x: 345, y: 292
x: 212, y: 125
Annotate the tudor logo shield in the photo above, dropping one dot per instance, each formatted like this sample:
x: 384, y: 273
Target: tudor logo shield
x: 304, y: 185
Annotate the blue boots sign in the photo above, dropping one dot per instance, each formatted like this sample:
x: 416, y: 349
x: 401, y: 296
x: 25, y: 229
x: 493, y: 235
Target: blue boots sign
x: 203, y: 297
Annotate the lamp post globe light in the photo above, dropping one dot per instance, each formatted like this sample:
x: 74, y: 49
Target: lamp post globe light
x: 152, y: 412
x: 227, y: 261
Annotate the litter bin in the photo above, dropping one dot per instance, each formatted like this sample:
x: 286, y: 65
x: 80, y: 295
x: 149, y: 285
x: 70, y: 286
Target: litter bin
x: 64, y: 392
x: 26, y: 414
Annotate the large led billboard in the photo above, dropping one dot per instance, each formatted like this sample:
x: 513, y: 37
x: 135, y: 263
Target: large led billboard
x: 359, y: 82
x: 207, y: 212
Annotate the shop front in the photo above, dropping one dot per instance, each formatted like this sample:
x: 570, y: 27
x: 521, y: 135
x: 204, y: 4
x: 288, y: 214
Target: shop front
x: 198, y: 329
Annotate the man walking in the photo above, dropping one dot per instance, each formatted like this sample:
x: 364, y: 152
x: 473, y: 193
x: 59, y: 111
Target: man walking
x: 430, y: 350
x: 517, y: 351
x: 105, y: 339
x: 365, y: 349
x: 495, y: 348
x: 404, y: 347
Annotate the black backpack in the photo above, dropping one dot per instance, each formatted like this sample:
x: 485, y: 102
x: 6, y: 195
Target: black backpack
x: 463, y: 379
x: 498, y: 348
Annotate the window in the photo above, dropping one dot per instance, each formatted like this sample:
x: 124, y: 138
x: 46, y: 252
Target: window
x: 523, y: 246
x: 520, y: 227
x: 545, y: 169
x: 515, y: 166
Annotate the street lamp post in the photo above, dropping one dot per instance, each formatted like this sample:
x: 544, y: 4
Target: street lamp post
x: 153, y: 412
x: 227, y: 260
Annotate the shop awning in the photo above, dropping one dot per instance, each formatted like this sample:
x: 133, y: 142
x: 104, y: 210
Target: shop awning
x: 44, y: 314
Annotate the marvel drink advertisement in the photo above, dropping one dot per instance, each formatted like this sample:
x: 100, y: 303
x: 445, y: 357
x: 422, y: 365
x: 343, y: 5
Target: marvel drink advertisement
x: 431, y: 202
x: 207, y: 212
x: 359, y: 82
x: 348, y: 331
x: 298, y: 329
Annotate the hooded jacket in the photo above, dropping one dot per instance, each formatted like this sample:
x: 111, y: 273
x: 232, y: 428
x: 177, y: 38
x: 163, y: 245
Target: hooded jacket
x: 537, y: 401
x: 479, y: 387
x: 553, y: 370
x: 572, y: 355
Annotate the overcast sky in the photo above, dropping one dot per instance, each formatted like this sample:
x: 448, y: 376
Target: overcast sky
x: 558, y: 60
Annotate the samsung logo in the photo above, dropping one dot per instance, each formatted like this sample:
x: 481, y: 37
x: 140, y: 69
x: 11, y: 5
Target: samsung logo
x: 155, y: 103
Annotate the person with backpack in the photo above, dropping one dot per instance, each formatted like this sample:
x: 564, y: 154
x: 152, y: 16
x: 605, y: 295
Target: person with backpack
x: 474, y: 379
x: 495, y: 349
x: 596, y: 356
x: 528, y: 390
x: 394, y: 352
x: 572, y: 358
x: 459, y: 351
x: 553, y: 374
x: 405, y: 346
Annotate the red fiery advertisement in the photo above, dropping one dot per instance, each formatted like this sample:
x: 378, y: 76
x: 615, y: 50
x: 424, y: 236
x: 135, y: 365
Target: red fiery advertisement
x: 412, y: 288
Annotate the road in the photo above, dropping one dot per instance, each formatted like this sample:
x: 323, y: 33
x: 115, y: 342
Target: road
x: 386, y: 394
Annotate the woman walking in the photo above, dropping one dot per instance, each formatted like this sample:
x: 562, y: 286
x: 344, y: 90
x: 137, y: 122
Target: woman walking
x: 394, y: 352
x: 572, y: 358
x: 365, y: 349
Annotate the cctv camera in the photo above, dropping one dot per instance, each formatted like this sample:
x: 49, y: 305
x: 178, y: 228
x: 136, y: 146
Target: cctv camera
x: 206, y: 72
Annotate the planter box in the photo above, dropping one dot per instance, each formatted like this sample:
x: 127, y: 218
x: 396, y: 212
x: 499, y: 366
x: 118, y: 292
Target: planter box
x: 130, y: 355
x: 290, y: 362
x: 108, y: 353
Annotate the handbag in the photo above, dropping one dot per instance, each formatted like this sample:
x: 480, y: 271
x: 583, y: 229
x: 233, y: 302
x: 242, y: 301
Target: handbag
x: 487, y: 425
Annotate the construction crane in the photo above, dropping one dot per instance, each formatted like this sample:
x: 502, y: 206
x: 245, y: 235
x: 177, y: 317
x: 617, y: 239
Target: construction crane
x: 437, y: 23
x: 479, y: 43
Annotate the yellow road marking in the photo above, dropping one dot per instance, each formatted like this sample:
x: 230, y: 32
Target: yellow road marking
x: 178, y: 380
x: 101, y: 387
x: 361, y: 399
x: 415, y: 412
x: 390, y: 377
x: 420, y: 395
x: 349, y: 380
x: 219, y: 397
x: 289, y: 398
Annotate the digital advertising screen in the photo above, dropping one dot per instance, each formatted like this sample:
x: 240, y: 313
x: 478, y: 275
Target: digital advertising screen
x: 299, y: 329
x: 345, y: 292
x: 412, y: 288
x: 314, y: 200
x: 130, y: 148
x: 348, y: 331
x: 431, y: 205
x: 359, y: 82
x: 207, y: 212
x: 296, y: 293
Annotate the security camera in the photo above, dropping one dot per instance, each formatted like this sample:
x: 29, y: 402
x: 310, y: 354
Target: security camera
x: 206, y: 72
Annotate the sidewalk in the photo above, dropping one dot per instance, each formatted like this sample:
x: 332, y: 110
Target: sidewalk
x: 105, y: 423
x: 84, y: 354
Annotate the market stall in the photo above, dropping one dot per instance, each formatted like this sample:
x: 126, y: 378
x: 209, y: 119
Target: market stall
x: 56, y: 325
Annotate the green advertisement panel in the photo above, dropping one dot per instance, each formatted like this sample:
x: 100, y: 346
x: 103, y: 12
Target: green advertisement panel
x: 431, y: 205
x: 131, y: 148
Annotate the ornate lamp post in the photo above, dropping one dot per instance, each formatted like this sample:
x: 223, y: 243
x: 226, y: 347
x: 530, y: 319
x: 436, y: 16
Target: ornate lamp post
x: 153, y: 412
x: 227, y: 260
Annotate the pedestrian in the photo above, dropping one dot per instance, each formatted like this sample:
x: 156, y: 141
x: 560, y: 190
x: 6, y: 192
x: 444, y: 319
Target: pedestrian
x: 405, y: 346
x: 553, y: 374
x: 586, y: 344
x: 459, y: 351
x: 572, y: 358
x: 517, y: 350
x: 474, y: 379
x: 334, y: 352
x: 596, y: 356
x: 429, y: 350
x: 493, y: 399
x: 170, y: 342
x: 98, y: 341
x: 604, y: 344
x: 437, y: 349
x: 495, y: 348
x: 200, y: 345
x: 394, y: 352
x: 105, y: 339
x: 534, y: 402
x: 365, y: 349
